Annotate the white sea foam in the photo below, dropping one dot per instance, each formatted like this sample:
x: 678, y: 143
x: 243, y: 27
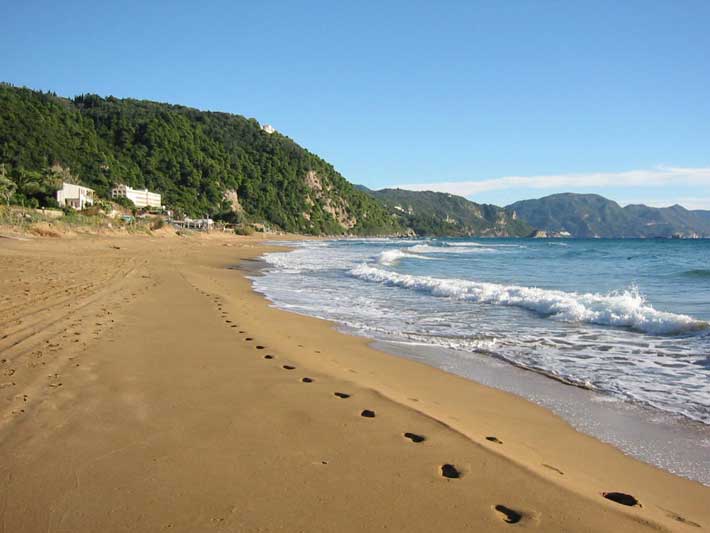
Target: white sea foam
x: 429, y: 249
x: 569, y: 339
x: 312, y: 256
x: 479, y: 245
x: 621, y: 309
x: 392, y: 257
x: 309, y: 257
x: 465, y: 244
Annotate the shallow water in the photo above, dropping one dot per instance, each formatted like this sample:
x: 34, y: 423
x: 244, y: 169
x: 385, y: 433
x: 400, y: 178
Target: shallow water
x: 626, y: 319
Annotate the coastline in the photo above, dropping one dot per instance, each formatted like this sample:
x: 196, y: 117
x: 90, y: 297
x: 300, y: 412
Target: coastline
x: 666, y: 439
x: 658, y: 439
x: 199, y: 430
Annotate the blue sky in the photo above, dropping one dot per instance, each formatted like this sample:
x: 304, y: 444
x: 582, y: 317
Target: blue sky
x: 495, y: 100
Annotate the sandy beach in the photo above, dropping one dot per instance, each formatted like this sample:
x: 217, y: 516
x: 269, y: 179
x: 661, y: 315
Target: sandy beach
x: 145, y: 387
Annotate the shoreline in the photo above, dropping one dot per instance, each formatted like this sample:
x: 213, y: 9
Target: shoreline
x: 386, y: 347
x: 538, y: 467
x: 670, y: 441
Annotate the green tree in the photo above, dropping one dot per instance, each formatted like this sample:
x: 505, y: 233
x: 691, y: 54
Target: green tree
x: 195, y: 159
x: 7, y: 186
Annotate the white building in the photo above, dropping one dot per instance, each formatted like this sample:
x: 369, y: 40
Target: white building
x: 201, y: 224
x: 268, y: 128
x: 75, y: 196
x: 141, y: 198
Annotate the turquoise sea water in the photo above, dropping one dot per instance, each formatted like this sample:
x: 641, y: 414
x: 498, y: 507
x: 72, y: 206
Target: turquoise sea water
x: 626, y: 318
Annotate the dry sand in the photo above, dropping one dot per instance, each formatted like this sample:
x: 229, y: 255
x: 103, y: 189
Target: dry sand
x: 145, y: 387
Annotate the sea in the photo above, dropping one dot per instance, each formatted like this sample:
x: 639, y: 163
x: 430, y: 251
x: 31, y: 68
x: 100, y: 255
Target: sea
x: 612, y: 335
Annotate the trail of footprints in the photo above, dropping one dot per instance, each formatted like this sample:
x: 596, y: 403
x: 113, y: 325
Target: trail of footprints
x: 448, y: 471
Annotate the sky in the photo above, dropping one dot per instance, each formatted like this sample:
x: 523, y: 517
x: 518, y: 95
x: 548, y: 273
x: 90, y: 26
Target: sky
x: 497, y: 101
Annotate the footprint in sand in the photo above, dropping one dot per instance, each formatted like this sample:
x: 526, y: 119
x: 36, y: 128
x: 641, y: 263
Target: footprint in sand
x: 260, y: 347
x: 268, y: 357
x: 494, y: 439
x: 248, y: 339
x: 560, y: 472
x: 288, y: 367
x: 508, y: 515
x: 307, y: 380
x: 450, y: 471
x: 622, y: 498
x: 342, y: 395
x: 414, y: 437
x: 367, y: 413
x: 678, y: 518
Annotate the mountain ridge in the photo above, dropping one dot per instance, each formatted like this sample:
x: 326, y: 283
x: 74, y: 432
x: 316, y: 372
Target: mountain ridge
x: 429, y: 213
x: 230, y: 167
x: 594, y: 216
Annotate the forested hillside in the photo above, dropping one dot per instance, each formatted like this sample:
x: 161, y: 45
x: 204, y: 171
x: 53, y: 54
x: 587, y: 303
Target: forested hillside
x: 202, y: 162
x: 441, y: 214
x: 227, y: 167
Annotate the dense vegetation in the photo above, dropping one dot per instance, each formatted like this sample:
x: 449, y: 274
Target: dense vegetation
x: 227, y: 167
x: 203, y: 163
x: 591, y: 215
x: 439, y: 214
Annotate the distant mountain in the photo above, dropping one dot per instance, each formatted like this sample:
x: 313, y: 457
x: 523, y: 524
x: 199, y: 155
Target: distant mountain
x: 232, y: 168
x: 591, y: 215
x: 429, y: 213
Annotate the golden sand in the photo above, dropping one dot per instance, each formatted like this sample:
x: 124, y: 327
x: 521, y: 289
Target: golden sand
x: 144, y: 387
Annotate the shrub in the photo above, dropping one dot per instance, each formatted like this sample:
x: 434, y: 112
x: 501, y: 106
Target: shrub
x: 44, y: 230
x: 157, y: 223
x: 125, y: 202
x: 242, y: 229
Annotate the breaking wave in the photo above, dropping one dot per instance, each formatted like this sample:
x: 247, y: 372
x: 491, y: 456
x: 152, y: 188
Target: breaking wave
x: 619, y: 309
x: 392, y: 257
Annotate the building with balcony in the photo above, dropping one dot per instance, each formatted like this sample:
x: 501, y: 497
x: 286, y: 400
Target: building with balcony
x: 75, y: 196
x: 140, y: 198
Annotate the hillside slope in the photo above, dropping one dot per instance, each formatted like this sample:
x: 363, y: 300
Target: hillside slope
x: 201, y: 162
x: 591, y: 215
x: 440, y: 214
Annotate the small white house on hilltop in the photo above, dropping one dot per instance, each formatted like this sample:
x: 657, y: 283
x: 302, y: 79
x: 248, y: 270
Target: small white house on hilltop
x: 141, y: 198
x: 75, y: 196
x: 268, y: 128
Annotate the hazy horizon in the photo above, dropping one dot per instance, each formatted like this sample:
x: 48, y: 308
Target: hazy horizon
x: 423, y: 188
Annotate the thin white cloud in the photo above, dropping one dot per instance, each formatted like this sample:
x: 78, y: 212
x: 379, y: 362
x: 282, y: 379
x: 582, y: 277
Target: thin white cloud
x: 656, y: 177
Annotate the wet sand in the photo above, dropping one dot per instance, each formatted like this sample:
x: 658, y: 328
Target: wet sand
x: 672, y: 443
x: 145, y: 387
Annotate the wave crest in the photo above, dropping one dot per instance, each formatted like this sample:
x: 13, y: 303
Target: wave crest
x: 620, y: 309
x: 392, y: 257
